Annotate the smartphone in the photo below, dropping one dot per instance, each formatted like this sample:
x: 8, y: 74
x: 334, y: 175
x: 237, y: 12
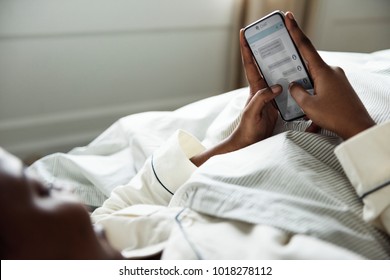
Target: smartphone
x: 279, y: 61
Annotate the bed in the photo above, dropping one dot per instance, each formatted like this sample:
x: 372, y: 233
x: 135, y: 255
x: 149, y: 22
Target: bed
x: 118, y: 153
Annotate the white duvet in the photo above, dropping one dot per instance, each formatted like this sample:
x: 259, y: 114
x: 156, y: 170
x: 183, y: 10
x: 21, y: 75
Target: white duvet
x: 319, y: 202
x: 116, y: 155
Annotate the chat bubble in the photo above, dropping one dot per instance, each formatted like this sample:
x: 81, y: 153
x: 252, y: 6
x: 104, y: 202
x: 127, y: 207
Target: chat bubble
x: 271, y: 48
x: 279, y: 63
x: 289, y: 72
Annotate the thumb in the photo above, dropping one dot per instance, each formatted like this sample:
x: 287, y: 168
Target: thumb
x: 301, y: 96
x: 266, y: 95
x: 262, y: 98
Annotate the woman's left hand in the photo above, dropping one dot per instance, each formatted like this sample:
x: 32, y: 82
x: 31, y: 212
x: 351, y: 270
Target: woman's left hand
x: 260, y: 115
x: 258, y: 119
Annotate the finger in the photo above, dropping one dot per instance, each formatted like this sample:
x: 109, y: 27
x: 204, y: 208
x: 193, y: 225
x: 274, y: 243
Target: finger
x: 262, y: 98
x: 303, y: 43
x: 301, y: 96
x: 313, y: 128
x: 253, y: 75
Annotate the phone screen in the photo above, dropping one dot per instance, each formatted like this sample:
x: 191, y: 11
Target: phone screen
x: 279, y: 61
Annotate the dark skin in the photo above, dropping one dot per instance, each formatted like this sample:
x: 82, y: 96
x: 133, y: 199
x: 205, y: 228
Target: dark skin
x: 37, y: 223
x: 335, y: 105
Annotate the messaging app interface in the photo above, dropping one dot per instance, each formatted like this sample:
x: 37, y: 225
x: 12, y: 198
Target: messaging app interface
x: 279, y: 61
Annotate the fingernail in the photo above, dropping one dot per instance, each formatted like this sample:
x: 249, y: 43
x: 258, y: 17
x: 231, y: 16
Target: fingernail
x: 290, y: 15
x: 276, y: 88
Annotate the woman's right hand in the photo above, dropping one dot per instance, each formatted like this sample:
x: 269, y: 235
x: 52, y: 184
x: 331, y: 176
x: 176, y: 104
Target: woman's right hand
x: 335, y: 105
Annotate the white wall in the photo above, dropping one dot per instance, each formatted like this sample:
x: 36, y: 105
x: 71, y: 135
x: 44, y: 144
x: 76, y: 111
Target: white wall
x: 68, y: 69
x: 349, y: 25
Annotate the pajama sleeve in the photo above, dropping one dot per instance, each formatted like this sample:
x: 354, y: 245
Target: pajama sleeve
x: 366, y: 161
x: 162, y: 174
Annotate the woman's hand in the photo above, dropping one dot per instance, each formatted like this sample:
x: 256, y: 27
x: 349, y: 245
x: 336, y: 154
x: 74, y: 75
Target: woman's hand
x: 258, y: 119
x: 257, y: 123
x: 253, y: 76
x: 335, y: 105
x: 259, y: 116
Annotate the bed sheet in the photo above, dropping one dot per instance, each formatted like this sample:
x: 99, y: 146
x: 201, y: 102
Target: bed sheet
x: 116, y: 155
